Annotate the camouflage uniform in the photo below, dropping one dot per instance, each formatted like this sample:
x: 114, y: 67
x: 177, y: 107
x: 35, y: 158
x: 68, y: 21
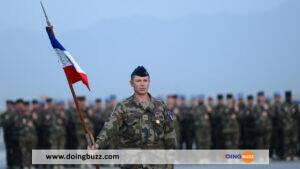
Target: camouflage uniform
x: 45, y: 123
x: 202, y: 128
x: 5, y: 122
x: 231, y: 129
x: 289, y: 126
x: 248, y: 121
x: 277, y: 134
x: 28, y: 139
x: 264, y: 127
x: 217, y: 126
x: 80, y: 133
x: 187, y: 127
x: 177, y: 119
x: 58, y: 134
x: 16, y: 122
x: 137, y: 125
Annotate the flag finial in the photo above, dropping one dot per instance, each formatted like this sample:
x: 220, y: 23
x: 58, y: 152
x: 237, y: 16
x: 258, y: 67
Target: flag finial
x: 47, y: 19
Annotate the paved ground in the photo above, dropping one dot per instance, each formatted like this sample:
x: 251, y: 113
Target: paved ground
x: 272, y: 165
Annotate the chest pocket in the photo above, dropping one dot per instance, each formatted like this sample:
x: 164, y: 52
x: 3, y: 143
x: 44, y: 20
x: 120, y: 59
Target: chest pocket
x: 130, y: 128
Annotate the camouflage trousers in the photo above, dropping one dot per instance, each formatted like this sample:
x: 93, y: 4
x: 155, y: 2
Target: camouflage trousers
x: 231, y: 140
x: 289, y: 141
x: 203, y: 139
x: 264, y: 141
x: 26, y: 146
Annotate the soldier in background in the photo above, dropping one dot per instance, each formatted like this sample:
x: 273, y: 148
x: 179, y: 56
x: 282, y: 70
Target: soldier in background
x: 248, y: 119
x: 98, y: 120
x: 27, y: 136
x: 264, y: 123
x: 276, y: 139
x: 231, y: 129
x: 187, y: 125
x: 289, y: 121
x: 5, y: 119
x: 172, y: 106
x: 184, y: 130
x: 58, y: 135
x: 45, y: 123
x: 217, y: 124
x: 16, y: 127
x: 79, y: 131
x: 241, y: 103
x: 111, y: 102
x: 202, y: 126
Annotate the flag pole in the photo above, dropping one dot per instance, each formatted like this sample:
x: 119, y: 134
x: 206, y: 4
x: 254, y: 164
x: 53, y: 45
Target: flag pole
x: 88, y: 134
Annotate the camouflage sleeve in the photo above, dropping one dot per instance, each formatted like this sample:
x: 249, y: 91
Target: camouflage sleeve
x: 170, y: 141
x: 111, y: 127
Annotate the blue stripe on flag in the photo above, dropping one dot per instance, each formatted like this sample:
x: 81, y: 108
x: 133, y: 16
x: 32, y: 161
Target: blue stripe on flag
x: 54, y: 42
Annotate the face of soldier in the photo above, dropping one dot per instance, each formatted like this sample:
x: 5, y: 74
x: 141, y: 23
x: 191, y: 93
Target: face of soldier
x: 277, y: 99
x: 20, y: 107
x: 140, y: 84
x: 288, y: 98
x: 49, y: 105
x: 220, y: 102
x: 34, y: 106
x: 261, y: 99
x: 250, y: 102
x: 98, y: 105
x: 195, y: 103
x: 171, y: 102
x: 82, y: 104
x: 9, y: 107
x: 230, y: 103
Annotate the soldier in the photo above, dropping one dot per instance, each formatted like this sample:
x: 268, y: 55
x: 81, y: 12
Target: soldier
x: 58, y: 134
x: 264, y: 123
x: 217, y: 125
x: 45, y: 124
x: 276, y: 141
x: 27, y: 136
x: 231, y: 129
x: 172, y: 106
x: 241, y: 104
x: 289, y: 119
x: 248, y: 120
x: 5, y: 119
x: 98, y: 120
x: 187, y: 124
x: 16, y: 127
x: 140, y: 122
x: 80, y: 133
x: 110, y: 105
x: 202, y: 126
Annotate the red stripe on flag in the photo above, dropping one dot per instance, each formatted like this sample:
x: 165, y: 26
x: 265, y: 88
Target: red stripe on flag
x: 73, y: 76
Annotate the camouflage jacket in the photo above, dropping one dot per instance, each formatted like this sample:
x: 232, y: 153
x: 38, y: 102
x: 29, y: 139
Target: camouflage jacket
x: 135, y: 126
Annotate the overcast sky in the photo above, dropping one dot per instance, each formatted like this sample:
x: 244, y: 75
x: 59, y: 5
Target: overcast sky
x: 188, y: 46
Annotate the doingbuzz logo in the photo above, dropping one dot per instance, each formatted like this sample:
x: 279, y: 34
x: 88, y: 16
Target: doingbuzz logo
x: 246, y: 156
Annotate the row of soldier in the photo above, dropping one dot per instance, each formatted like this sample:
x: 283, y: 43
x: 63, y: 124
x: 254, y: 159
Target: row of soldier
x: 239, y: 124
x: 202, y: 124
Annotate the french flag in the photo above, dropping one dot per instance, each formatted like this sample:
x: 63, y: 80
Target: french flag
x: 72, y: 70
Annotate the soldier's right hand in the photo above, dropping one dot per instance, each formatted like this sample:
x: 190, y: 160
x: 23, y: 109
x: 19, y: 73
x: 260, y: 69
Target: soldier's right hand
x: 93, y: 147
